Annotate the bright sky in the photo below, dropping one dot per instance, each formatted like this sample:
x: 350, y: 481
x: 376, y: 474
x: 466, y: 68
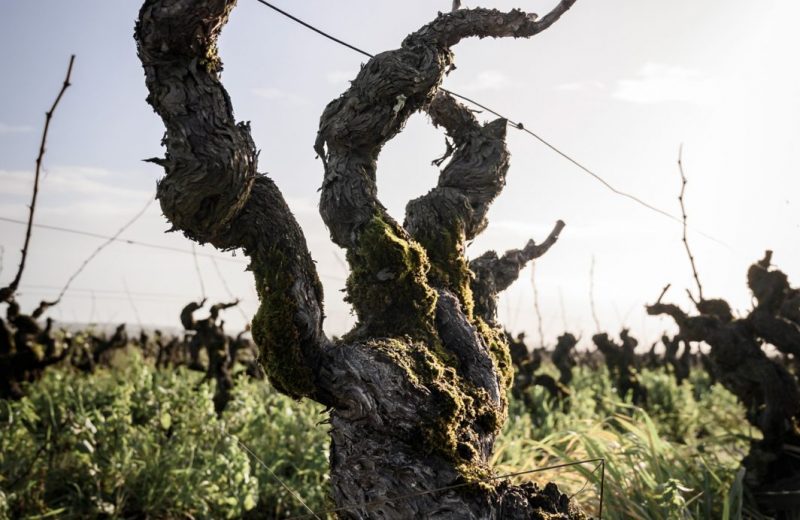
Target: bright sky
x: 617, y: 84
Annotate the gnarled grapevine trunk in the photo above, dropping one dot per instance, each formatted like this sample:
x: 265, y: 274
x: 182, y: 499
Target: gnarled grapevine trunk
x: 417, y: 390
x: 26, y: 350
x: 765, y: 386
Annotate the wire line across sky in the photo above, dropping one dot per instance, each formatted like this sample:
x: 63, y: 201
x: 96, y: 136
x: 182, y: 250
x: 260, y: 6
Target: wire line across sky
x: 512, y: 122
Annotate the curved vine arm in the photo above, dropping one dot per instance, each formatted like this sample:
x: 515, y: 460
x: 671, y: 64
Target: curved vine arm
x: 472, y: 179
x: 187, y: 314
x: 494, y: 275
x: 211, y: 189
x: 219, y: 307
x: 388, y: 286
x: 41, y: 308
x: 447, y: 30
x: 454, y: 211
x: 692, y: 328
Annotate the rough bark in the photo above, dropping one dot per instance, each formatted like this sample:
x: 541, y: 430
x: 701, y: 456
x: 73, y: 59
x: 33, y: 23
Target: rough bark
x: 213, y: 193
x: 417, y: 389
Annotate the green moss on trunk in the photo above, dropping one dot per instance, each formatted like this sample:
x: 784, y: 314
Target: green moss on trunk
x: 499, y: 351
x: 390, y: 288
x: 449, y: 267
x: 388, y: 285
x: 448, y: 426
x: 275, y: 332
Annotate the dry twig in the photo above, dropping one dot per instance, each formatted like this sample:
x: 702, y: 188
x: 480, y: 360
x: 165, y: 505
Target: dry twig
x: 7, y: 293
x: 683, y: 216
x: 536, y: 304
x: 591, y: 296
x: 663, y: 292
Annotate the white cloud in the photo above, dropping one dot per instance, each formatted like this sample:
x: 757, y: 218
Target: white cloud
x: 72, y: 180
x: 275, y: 94
x: 659, y: 83
x: 582, y: 86
x: 488, y: 80
x: 6, y: 129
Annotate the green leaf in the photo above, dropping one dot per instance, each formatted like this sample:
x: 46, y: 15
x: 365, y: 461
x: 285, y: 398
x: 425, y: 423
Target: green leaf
x: 166, y: 420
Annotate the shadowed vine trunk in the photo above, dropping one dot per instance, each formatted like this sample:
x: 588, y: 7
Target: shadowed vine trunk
x: 26, y: 349
x: 526, y: 365
x: 417, y: 390
x: 563, y: 357
x: 681, y: 365
x: 622, y: 365
x: 768, y: 390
